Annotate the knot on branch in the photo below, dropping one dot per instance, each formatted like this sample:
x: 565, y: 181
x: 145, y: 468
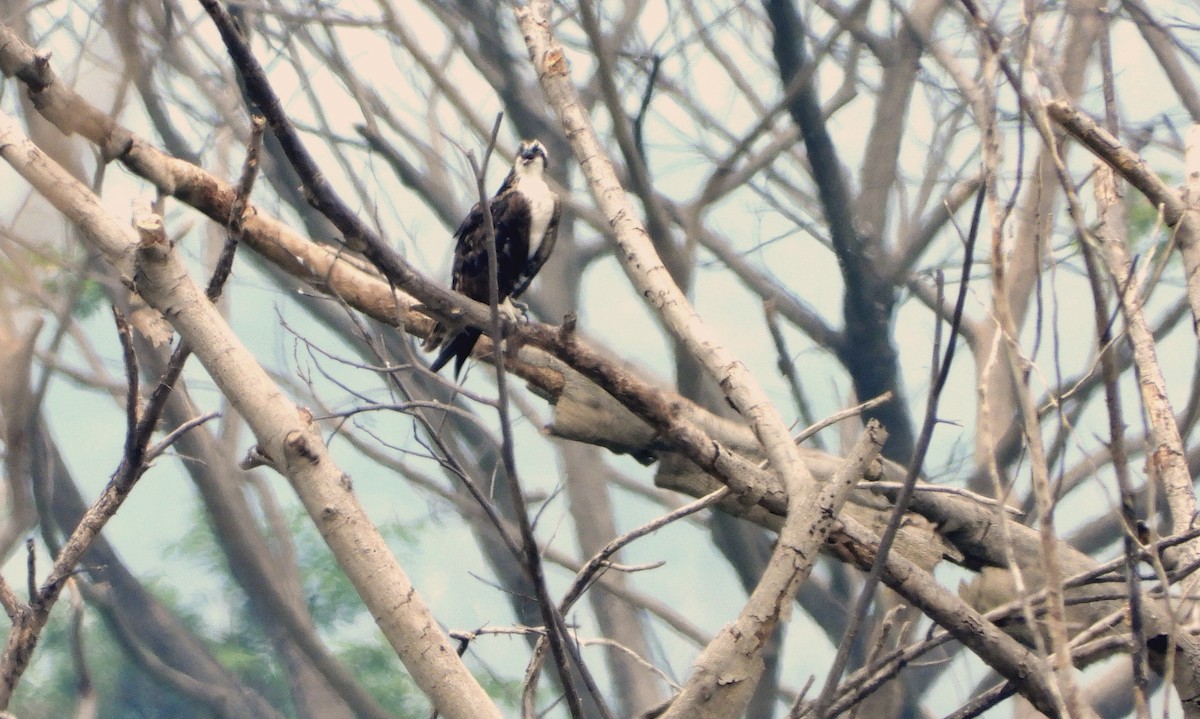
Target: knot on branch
x: 555, y: 63
x: 37, y: 75
x: 566, y: 331
x: 297, y: 445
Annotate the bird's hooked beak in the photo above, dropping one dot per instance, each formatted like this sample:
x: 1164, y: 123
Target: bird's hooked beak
x: 529, y: 154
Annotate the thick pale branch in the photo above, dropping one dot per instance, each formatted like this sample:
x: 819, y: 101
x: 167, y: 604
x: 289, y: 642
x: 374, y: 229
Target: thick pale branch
x: 726, y: 672
x: 1167, y: 455
x: 650, y: 277
x: 642, y: 264
x: 1180, y: 214
x: 285, y: 436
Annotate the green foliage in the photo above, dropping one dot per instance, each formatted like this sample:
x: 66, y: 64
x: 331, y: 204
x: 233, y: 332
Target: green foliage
x: 90, y: 296
x: 380, y: 672
x: 50, y: 689
x: 124, y: 690
x: 1145, y: 226
x: 331, y: 598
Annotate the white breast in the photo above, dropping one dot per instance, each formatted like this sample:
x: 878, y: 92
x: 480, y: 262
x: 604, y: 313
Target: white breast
x: 541, y: 205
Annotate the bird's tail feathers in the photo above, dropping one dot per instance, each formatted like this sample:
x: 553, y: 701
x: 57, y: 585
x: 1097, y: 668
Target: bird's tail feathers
x: 460, y: 348
x: 435, y: 338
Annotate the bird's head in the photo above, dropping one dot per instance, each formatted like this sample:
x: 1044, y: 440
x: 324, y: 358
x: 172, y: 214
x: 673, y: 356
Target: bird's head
x: 531, y: 159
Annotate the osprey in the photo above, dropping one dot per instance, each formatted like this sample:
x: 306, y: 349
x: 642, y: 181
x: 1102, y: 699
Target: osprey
x: 524, y: 211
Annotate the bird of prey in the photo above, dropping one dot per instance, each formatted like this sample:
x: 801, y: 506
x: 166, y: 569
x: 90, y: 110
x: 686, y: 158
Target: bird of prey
x: 524, y: 211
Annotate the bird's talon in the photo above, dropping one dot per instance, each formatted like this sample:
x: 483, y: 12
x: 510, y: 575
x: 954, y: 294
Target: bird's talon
x: 514, y: 312
x: 522, y: 311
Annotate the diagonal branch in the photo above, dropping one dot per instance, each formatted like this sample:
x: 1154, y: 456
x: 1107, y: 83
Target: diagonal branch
x: 556, y: 629
x: 726, y: 671
x: 291, y: 443
x: 795, y: 553
x: 1181, y: 214
x: 869, y: 299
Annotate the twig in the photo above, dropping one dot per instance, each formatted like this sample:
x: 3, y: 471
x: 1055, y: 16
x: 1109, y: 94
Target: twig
x: 1111, y: 220
x: 639, y: 122
x: 132, y: 395
x: 31, y: 570
x: 173, y: 436
x: 586, y: 574
x: 840, y: 415
x: 867, y: 592
x: 599, y: 562
x: 238, y: 209
x: 884, y: 631
x: 530, y: 555
x: 783, y: 360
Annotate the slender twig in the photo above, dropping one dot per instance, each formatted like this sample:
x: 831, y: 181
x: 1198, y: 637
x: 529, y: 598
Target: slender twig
x: 1107, y: 201
x: 867, y: 592
x: 844, y: 414
x: 31, y: 570
x: 132, y: 398
x: 555, y: 627
x: 599, y: 561
x: 783, y: 360
x: 594, y: 568
x: 884, y: 631
x: 640, y: 121
x: 238, y: 209
x: 173, y: 436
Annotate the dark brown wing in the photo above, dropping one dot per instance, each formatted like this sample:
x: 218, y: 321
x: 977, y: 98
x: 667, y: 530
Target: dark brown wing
x: 510, y: 217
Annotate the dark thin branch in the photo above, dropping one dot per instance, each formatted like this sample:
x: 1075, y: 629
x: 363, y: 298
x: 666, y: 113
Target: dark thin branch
x: 556, y: 630
x: 639, y: 122
x: 173, y: 436
x: 238, y: 210
x: 867, y: 592
x: 31, y: 571
x: 132, y: 394
x: 868, y: 300
x: 1109, y: 219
